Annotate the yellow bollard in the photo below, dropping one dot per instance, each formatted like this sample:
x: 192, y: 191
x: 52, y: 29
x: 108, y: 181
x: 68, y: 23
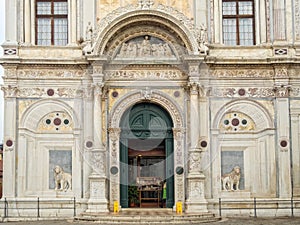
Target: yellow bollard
x: 116, y: 206
x: 179, y: 207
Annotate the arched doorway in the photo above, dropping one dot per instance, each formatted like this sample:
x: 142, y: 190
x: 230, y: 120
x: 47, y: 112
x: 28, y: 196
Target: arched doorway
x: 146, y: 152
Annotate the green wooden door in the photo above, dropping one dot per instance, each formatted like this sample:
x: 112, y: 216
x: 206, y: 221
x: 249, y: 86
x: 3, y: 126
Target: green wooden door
x: 146, y: 121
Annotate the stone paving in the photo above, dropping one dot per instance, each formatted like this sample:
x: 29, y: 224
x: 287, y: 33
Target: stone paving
x: 225, y: 221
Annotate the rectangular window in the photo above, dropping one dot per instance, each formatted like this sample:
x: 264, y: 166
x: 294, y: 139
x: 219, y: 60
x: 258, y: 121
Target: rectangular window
x: 52, y: 22
x: 238, y: 22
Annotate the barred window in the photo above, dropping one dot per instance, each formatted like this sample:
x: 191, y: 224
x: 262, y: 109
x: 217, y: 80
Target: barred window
x: 238, y: 22
x: 51, y: 22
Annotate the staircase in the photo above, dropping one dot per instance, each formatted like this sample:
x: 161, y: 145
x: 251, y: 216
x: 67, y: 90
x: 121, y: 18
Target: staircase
x: 149, y: 216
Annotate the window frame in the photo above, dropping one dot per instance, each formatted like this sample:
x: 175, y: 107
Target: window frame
x: 52, y: 17
x: 237, y: 18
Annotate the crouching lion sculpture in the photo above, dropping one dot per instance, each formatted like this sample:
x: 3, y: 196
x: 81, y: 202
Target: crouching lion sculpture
x: 63, y: 180
x: 229, y: 180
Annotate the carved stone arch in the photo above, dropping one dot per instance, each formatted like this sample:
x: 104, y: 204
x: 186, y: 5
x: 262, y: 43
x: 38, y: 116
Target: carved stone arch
x: 38, y: 110
x: 133, y: 16
x: 257, y: 112
x: 138, y: 96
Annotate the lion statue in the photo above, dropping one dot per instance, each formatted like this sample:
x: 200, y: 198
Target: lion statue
x: 63, y: 180
x: 229, y: 180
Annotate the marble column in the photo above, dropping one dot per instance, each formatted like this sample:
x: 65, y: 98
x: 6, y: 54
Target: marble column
x: 282, y: 113
x: 98, y: 182
x: 195, y: 191
x: 284, y: 165
x: 10, y: 142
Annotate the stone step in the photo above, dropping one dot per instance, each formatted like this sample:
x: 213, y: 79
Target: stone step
x: 147, y: 216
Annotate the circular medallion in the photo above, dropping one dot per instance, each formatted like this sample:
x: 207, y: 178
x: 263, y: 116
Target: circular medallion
x: 66, y: 121
x: 9, y: 143
x: 115, y: 94
x: 89, y: 144
x: 283, y: 143
x: 242, y: 92
x: 176, y: 94
x: 235, y: 122
x: 114, y: 170
x: 179, y: 170
x: 57, y: 121
x: 50, y: 92
x: 203, y: 144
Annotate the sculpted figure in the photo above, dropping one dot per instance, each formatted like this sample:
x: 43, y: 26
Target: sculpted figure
x: 63, y: 181
x: 146, y: 47
x: 131, y: 50
x: 123, y: 51
x: 202, y: 40
x: 89, y: 32
x: 231, y: 179
x: 168, y: 51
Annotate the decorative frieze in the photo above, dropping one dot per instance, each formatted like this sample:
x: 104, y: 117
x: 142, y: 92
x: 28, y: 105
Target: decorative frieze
x: 243, y: 73
x: 50, y: 73
x: 245, y: 92
x: 36, y: 92
x: 145, y: 74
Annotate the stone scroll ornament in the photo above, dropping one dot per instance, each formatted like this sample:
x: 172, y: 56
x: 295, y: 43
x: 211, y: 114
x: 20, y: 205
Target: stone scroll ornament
x: 63, y: 180
x: 232, y: 180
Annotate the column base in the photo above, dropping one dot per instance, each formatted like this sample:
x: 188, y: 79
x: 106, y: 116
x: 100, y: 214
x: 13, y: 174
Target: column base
x: 196, y: 207
x: 95, y: 206
x: 98, y: 190
x: 196, y: 201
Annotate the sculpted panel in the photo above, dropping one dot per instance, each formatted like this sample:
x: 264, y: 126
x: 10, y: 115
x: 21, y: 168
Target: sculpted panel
x: 146, y: 46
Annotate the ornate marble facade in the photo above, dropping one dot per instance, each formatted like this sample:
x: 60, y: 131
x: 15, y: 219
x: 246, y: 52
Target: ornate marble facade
x: 234, y: 103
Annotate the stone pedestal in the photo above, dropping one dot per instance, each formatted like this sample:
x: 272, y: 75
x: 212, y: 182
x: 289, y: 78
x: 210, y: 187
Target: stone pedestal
x: 97, y: 201
x: 196, y: 202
